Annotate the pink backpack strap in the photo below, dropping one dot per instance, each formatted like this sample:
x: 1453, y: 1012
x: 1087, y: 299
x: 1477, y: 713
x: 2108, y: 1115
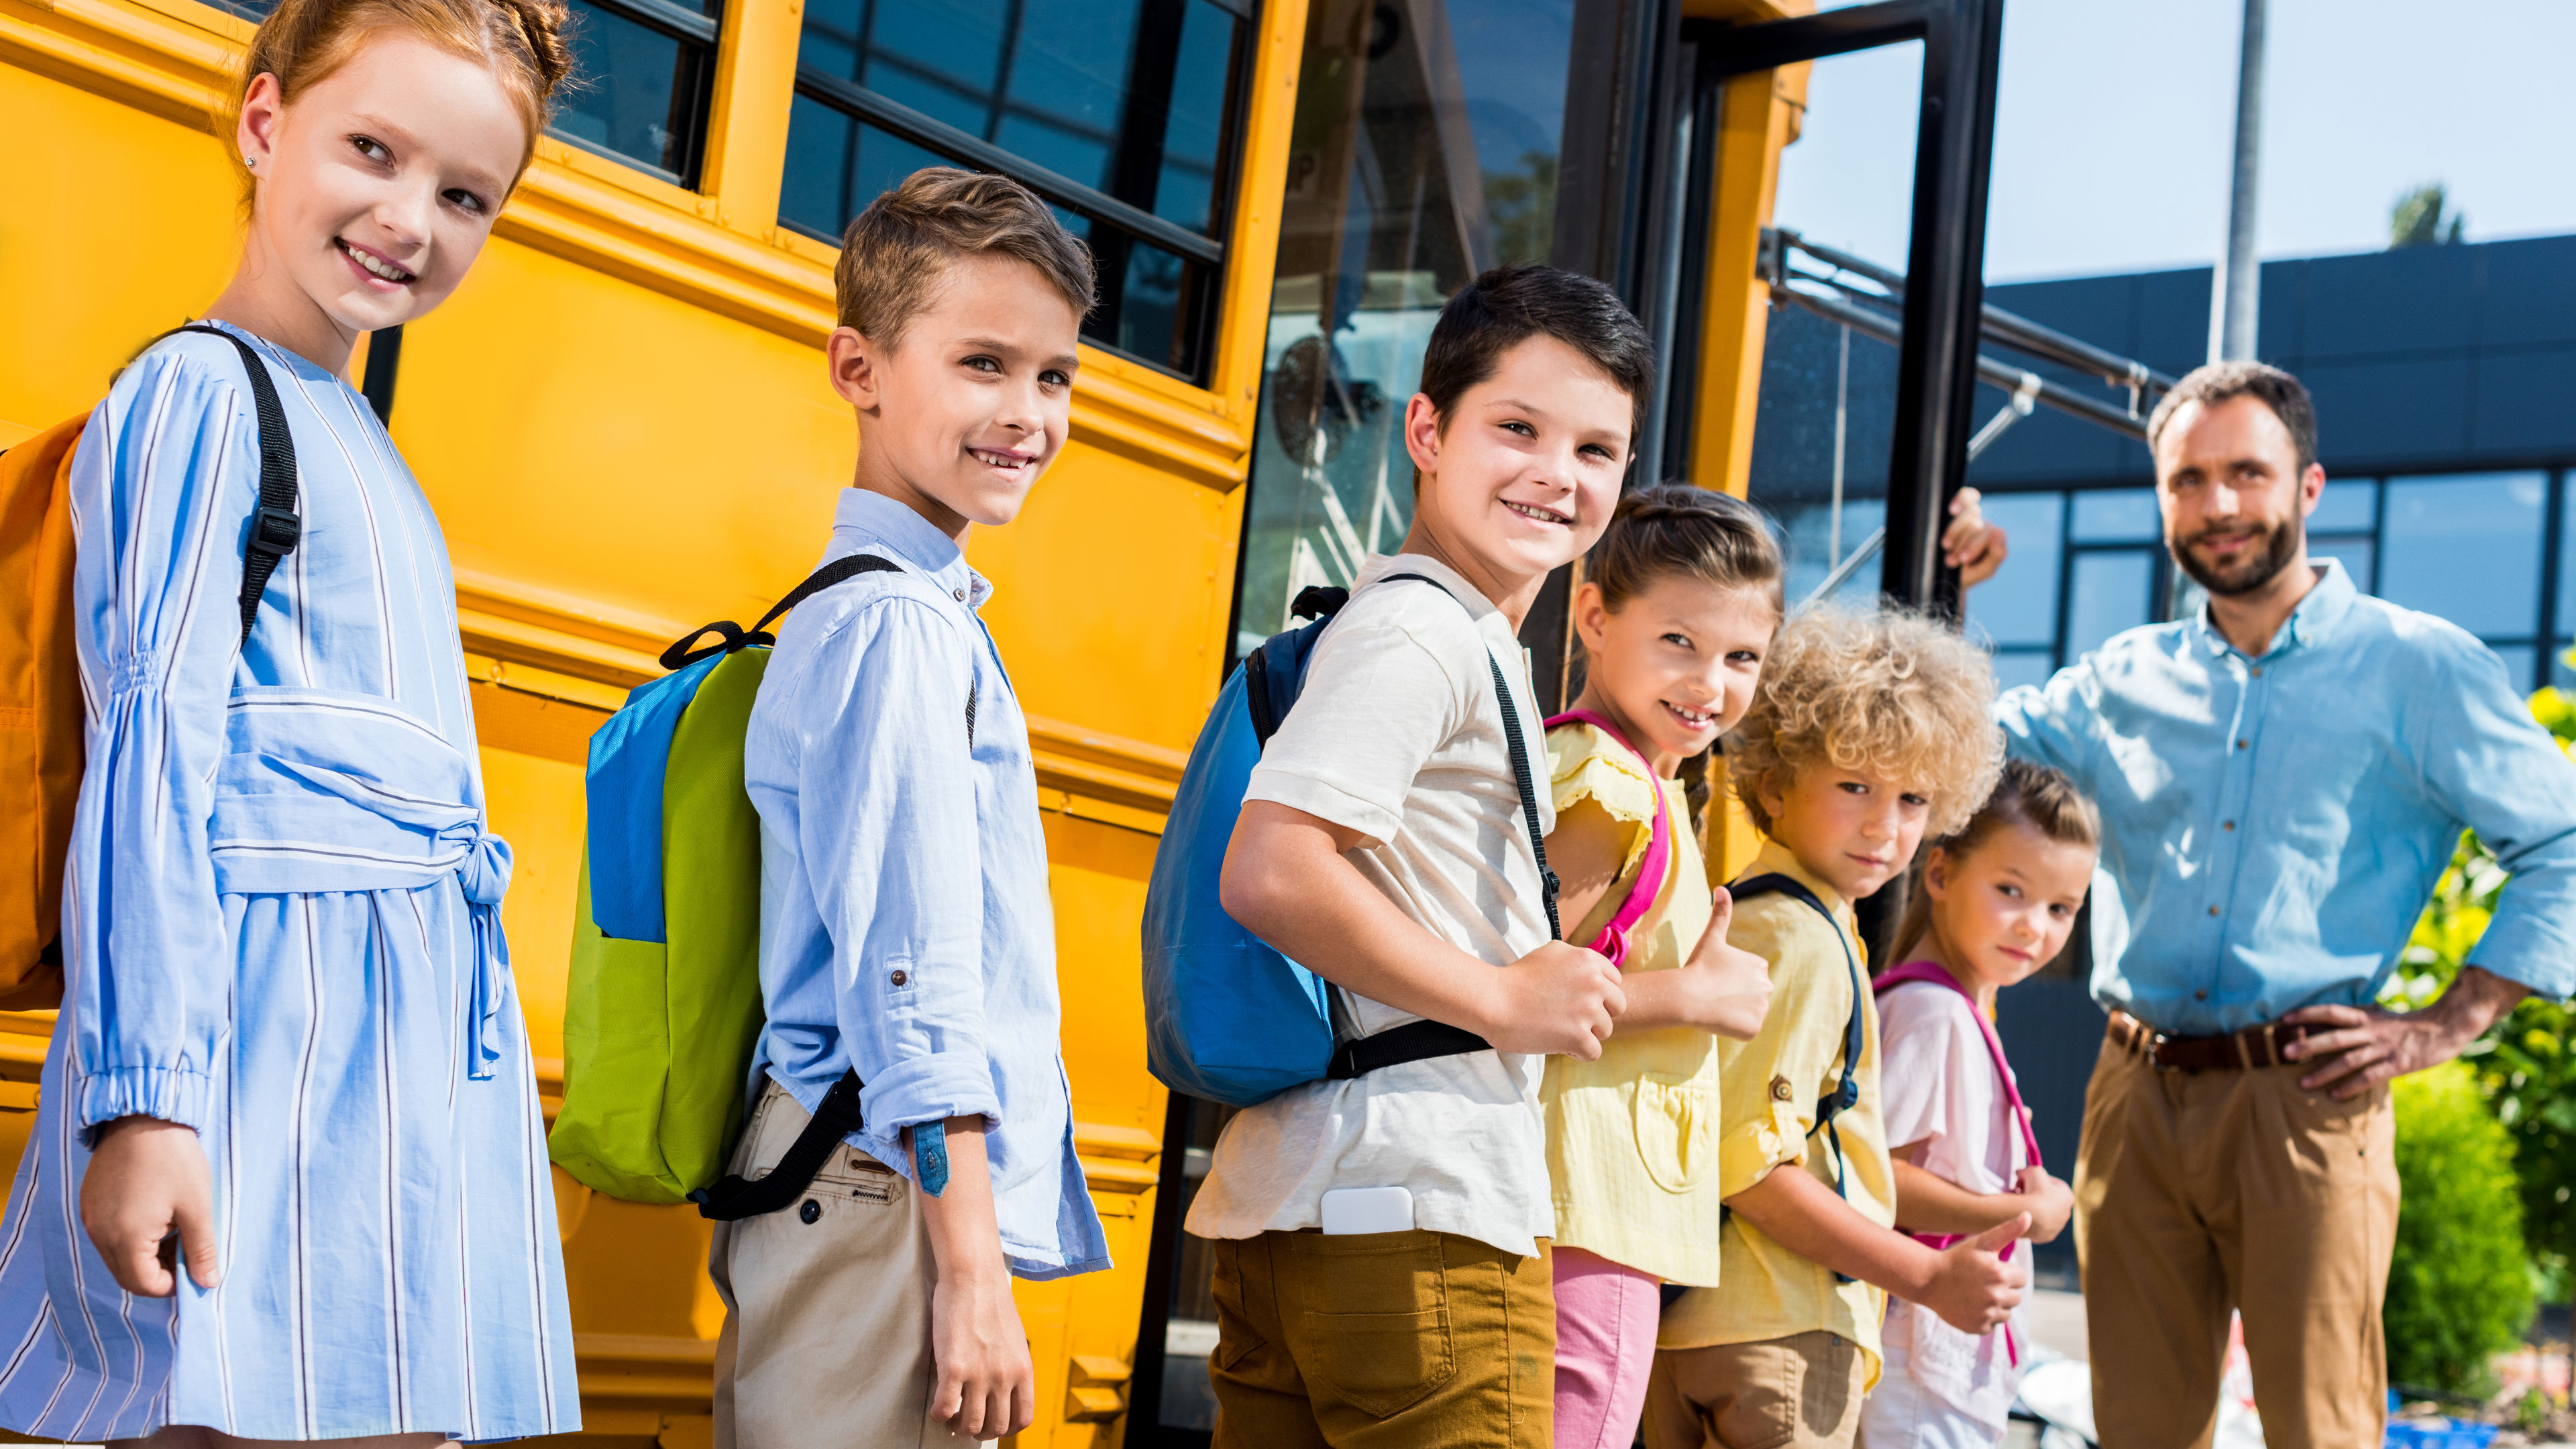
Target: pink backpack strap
x: 1929, y: 971
x: 1613, y: 941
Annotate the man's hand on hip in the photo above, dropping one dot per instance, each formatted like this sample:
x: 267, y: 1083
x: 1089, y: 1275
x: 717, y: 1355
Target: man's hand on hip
x: 2370, y: 1045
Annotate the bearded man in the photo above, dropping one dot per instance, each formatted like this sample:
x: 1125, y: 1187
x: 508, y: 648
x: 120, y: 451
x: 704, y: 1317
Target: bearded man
x: 2282, y: 777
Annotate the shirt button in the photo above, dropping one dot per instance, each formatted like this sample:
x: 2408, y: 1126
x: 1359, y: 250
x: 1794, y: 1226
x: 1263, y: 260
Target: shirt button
x: 2201, y: 995
x: 901, y: 977
x: 2244, y: 744
x: 2258, y: 671
x: 2226, y: 824
x: 961, y: 595
x: 2213, y: 910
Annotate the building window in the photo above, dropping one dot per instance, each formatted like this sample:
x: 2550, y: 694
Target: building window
x: 643, y: 73
x: 1119, y: 112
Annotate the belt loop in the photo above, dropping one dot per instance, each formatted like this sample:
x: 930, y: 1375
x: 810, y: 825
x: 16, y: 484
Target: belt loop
x: 2244, y: 1054
x: 2271, y: 1045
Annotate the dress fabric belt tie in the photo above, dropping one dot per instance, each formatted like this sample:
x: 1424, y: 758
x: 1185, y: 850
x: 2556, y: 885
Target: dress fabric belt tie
x: 323, y: 791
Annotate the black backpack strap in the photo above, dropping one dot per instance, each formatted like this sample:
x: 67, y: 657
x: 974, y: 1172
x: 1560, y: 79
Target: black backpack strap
x: 276, y: 528
x: 731, y: 636
x: 734, y: 1197
x: 1846, y: 1094
x: 1415, y: 1041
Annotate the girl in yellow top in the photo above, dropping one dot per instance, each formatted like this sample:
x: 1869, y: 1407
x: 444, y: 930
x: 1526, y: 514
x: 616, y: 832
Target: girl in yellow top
x: 1679, y: 603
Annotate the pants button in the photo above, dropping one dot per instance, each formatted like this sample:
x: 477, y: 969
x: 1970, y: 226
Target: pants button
x: 811, y: 1211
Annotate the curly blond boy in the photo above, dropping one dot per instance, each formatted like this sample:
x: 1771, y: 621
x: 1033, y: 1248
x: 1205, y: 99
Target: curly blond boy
x: 1866, y: 731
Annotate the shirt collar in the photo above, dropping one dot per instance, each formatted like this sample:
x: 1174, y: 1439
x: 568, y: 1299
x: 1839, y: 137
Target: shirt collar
x: 862, y: 517
x: 1378, y: 565
x: 2309, y: 624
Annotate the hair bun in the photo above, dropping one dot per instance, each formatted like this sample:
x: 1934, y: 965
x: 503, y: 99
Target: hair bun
x: 542, y: 24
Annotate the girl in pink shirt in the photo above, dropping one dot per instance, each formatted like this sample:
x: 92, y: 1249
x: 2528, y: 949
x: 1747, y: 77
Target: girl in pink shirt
x: 1991, y: 905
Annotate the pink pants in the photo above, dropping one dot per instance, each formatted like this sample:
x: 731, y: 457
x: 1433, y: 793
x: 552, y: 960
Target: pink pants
x: 1605, y: 1346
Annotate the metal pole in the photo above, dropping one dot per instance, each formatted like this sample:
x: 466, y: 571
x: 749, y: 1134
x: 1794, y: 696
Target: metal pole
x: 2235, y: 296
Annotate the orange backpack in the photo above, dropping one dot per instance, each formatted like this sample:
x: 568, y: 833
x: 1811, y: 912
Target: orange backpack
x: 40, y: 712
x: 42, y: 731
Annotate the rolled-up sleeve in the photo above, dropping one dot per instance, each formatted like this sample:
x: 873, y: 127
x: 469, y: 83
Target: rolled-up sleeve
x: 161, y: 489
x: 887, y: 831
x: 2490, y: 764
x: 1767, y: 1087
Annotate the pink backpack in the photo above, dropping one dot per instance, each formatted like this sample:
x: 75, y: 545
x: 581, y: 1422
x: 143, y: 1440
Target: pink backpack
x: 1613, y: 940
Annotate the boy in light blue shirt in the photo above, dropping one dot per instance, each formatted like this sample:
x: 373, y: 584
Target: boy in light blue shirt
x: 907, y: 939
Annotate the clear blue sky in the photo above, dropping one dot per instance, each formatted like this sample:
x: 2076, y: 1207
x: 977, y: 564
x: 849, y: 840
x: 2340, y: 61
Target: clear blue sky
x: 2115, y: 122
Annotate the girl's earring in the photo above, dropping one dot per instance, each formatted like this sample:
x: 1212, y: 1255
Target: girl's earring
x: 251, y: 161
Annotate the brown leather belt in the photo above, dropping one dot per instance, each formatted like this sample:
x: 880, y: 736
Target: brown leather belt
x: 2255, y: 1046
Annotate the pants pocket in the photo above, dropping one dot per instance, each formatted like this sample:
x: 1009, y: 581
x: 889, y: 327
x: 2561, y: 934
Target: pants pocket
x: 1764, y: 1413
x: 1383, y: 1363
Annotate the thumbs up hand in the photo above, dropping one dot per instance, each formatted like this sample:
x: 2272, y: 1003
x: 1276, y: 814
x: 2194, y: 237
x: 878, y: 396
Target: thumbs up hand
x: 1729, y: 989
x: 1974, y: 1289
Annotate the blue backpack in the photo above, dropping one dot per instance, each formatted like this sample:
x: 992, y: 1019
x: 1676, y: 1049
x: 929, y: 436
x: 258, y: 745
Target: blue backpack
x: 1227, y: 1017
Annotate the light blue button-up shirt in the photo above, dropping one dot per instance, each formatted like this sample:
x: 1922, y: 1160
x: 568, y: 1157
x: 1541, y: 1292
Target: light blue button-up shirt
x: 905, y: 926
x: 2275, y: 825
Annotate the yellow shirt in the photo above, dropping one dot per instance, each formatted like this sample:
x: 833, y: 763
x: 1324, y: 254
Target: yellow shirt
x: 1632, y: 1138
x: 1770, y: 1086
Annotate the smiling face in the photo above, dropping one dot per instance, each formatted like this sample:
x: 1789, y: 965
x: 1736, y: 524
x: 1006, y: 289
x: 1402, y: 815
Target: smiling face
x: 959, y: 417
x: 1522, y: 474
x: 1677, y: 663
x: 1855, y: 829
x: 2235, y: 500
x: 2004, y: 907
x: 376, y: 187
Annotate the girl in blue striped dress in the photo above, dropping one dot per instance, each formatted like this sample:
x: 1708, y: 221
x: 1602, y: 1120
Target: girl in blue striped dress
x: 289, y: 1045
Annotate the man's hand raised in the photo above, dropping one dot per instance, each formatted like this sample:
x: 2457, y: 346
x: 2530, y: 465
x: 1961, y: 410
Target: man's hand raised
x: 1558, y: 1000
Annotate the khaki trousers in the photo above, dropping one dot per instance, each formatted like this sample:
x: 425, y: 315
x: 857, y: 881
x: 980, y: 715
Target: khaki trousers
x: 1412, y: 1340
x: 1799, y: 1392
x: 826, y: 1337
x: 2197, y: 1194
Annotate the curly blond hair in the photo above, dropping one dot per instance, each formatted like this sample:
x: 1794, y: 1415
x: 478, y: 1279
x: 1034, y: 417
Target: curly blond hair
x: 1893, y: 693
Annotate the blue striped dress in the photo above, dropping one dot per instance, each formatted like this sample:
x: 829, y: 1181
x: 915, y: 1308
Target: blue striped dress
x: 281, y: 927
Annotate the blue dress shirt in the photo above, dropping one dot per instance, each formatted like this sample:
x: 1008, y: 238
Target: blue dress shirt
x: 2275, y: 825
x: 905, y: 925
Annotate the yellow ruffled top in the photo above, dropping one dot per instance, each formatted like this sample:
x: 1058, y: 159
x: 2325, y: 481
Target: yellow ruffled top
x: 1632, y: 1138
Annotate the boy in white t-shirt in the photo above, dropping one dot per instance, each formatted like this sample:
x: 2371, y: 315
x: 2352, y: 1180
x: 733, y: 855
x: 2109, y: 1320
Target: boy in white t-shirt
x: 1384, y: 845
x: 1995, y: 903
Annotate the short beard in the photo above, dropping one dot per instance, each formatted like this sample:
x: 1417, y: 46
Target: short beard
x: 2283, y: 545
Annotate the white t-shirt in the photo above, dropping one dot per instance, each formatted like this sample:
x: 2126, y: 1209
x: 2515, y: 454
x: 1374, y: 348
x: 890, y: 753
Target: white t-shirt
x: 1938, y: 1087
x: 1397, y: 735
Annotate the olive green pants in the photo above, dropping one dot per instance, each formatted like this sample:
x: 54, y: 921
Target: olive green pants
x: 1412, y: 1340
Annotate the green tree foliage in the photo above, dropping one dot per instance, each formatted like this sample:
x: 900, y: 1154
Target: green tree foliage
x: 2460, y: 1289
x: 2525, y: 1070
x: 2417, y: 219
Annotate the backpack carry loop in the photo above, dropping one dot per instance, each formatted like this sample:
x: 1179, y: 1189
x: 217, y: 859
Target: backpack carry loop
x: 276, y: 528
x: 1612, y: 943
x: 1419, y: 1041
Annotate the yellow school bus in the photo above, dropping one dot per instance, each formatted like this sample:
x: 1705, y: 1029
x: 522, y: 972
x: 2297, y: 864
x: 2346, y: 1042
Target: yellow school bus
x: 623, y: 420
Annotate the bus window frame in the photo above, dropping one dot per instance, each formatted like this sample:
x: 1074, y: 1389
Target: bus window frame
x: 1207, y: 254
x: 702, y: 36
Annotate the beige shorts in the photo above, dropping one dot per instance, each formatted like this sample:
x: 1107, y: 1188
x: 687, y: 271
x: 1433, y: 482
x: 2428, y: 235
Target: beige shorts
x: 826, y: 1341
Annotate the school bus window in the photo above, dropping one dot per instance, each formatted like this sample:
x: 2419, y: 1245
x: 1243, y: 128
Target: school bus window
x: 643, y: 71
x: 1121, y: 114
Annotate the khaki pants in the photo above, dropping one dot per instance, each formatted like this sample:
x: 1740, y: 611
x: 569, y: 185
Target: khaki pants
x: 2197, y: 1194
x: 1799, y: 1392
x: 826, y: 1337
x: 1412, y: 1340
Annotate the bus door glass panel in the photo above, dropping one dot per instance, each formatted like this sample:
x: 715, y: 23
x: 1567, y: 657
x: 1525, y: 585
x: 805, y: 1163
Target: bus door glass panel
x: 1424, y: 151
x: 1099, y: 105
x: 1825, y: 422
